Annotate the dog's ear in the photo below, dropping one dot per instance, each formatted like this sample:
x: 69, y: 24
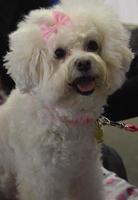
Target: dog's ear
x: 128, y: 56
x: 27, y: 56
x: 124, y: 52
x: 123, y: 45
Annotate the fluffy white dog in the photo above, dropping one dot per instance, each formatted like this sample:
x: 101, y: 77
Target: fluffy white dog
x: 65, y: 62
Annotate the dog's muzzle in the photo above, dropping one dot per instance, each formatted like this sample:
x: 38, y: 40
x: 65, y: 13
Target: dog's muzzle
x: 84, y: 84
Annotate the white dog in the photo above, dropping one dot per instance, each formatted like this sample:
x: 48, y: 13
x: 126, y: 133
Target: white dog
x: 65, y: 62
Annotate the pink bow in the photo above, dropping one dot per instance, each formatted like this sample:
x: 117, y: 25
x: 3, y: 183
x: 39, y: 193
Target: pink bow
x: 59, y: 19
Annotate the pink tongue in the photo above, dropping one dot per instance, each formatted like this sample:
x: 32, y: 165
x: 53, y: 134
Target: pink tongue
x: 86, y: 87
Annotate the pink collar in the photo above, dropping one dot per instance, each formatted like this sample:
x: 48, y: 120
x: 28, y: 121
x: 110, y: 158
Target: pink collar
x: 80, y: 118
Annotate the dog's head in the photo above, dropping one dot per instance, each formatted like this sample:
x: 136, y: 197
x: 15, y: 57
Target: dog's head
x: 74, y: 54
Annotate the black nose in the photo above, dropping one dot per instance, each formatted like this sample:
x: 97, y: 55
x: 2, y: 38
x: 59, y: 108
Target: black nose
x: 83, y: 65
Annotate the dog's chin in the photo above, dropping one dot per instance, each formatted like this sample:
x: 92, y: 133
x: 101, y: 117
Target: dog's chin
x: 84, y: 85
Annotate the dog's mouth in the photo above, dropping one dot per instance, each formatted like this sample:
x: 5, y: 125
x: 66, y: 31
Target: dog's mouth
x: 84, y: 85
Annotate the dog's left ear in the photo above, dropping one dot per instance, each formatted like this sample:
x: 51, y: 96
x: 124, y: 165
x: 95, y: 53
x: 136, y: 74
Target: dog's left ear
x: 27, y: 57
x: 118, y: 52
x: 125, y: 50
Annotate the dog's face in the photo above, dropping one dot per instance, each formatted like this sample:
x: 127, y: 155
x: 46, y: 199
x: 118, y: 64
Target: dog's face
x: 68, y: 57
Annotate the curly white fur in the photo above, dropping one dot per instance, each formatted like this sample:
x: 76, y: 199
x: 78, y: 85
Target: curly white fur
x: 42, y: 152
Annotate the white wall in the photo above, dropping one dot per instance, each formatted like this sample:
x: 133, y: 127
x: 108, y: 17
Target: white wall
x: 127, y: 10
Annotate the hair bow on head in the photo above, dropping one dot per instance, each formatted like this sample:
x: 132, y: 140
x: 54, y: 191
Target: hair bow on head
x: 59, y: 19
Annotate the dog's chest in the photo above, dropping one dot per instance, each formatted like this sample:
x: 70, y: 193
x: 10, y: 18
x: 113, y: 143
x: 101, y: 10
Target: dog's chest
x: 69, y: 149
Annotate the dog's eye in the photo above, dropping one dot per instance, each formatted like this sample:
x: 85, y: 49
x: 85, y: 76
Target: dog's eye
x: 60, y: 53
x: 91, y: 46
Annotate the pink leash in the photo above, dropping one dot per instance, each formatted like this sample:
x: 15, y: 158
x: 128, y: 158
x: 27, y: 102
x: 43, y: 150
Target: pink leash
x: 130, y: 127
x: 125, y: 126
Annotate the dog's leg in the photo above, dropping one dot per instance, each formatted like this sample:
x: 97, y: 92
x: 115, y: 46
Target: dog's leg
x: 40, y: 190
x: 87, y: 187
x: 39, y: 183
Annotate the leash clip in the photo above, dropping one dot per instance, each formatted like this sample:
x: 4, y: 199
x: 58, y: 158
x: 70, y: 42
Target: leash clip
x: 127, y: 127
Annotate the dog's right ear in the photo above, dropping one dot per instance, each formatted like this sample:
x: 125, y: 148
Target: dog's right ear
x: 27, y: 57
